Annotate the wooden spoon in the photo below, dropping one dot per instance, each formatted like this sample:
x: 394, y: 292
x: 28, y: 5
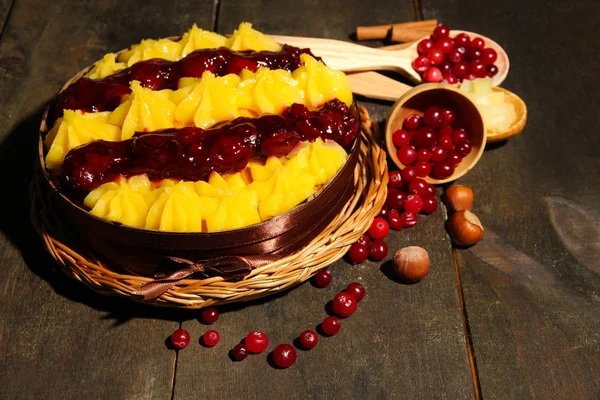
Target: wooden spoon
x: 377, y: 86
x: 350, y: 57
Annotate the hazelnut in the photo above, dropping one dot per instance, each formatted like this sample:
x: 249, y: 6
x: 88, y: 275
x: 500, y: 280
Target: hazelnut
x: 411, y: 264
x: 465, y: 228
x: 458, y: 198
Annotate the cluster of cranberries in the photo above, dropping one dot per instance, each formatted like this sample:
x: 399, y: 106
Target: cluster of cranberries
x: 454, y: 59
x: 429, y: 145
x: 284, y: 355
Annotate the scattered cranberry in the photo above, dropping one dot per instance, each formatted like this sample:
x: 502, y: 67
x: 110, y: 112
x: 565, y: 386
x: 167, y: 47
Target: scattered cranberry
x: 430, y: 204
x: 180, y: 338
x: 378, y: 250
x: 344, y: 304
x: 409, y: 173
x: 408, y: 219
x: 364, y: 239
x: 256, y: 342
x: 358, y: 253
x: 308, y: 339
x: 211, y: 338
x: 414, y: 204
x: 240, y: 352
x: 384, y: 211
x: 379, y: 228
x: 407, y: 154
x: 400, y: 138
x: 395, y: 179
x: 395, y: 199
x: 420, y: 187
x: 209, y: 315
x: 422, y: 168
x: 331, y: 325
x: 284, y: 355
x: 357, y: 290
x: 323, y: 277
x: 395, y: 221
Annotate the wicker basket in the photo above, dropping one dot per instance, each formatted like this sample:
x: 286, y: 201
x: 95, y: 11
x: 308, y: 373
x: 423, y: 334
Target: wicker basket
x: 77, y: 260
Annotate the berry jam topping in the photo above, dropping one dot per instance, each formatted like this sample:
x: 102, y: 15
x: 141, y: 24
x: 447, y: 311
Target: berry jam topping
x: 180, y: 338
x: 256, y: 342
x: 209, y: 315
x: 192, y: 153
x: 93, y: 95
x: 284, y: 355
x: 308, y: 339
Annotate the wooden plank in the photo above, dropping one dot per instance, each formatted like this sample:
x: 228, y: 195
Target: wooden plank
x: 58, y: 339
x: 531, y: 293
x: 405, y: 341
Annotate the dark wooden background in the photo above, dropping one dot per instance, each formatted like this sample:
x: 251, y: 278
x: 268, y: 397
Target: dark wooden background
x: 515, y: 317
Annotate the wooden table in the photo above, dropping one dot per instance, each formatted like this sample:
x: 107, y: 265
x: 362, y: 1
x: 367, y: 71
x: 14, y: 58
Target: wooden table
x: 515, y: 317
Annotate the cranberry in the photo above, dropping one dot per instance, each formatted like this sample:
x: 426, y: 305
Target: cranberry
x: 344, y: 304
x: 477, y: 68
x: 460, y: 69
x: 384, y: 211
x: 443, y: 170
x: 239, y: 352
x: 418, y: 186
x: 379, y: 228
x: 364, y: 239
x: 394, y: 220
x: 395, y: 178
x: 308, y: 339
x: 284, y: 355
x: 439, y: 154
x: 211, y: 338
x: 357, y: 290
x: 413, y: 121
x: 423, y: 155
x: 180, y: 338
x: 422, y: 168
x: 424, y: 138
x: 489, y: 56
x: 448, y: 115
x: 400, y: 138
x: 323, y: 277
x: 455, y: 56
x: 424, y: 46
x: 358, y: 253
x: 462, y: 39
x: 440, y: 32
x: 464, y: 148
x: 446, y: 68
x: 407, y: 154
x: 414, y: 204
x: 446, y: 130
x: 474, y: 54
x: 433, y: 74
x: 454, y: 157
x: 491, y: 70
x: 395, y: 199
x: 433, y: 117
x: 378, y: 250
x: 209, y: 315
x: 430, y: 204
x: 435, y: 56
x: 445, y: 45
x: 478, y: 43
x: 256, y: 342
x: 409, y: 173
x: 429, y: 191
x: 420, y: 64
x: 459, y: 136
x: 445, y: 142
x: 408, y: 219
x: 331, y: 325
x: 450, y: 79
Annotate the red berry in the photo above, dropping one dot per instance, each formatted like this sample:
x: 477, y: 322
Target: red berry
x: 421, y: 63
x: 455, y: 56
x: 414, y: 204
x: 256, y: 342
x: 445, y: 45
x: 445, y: 141
x: 438, y: 154
x: 459, y: 136
x: 378, y: 250
x: 435, y: 56
x: 379, y: 228
x: 446, y: 68
x: 464, y: 148
x: 408, y: 219
x: 284, y: 355
x: 443, y: 170
x: 454, y: 157
x: 478, y: 43
x: 422, y: 168
x: 430, y: 204
x: 180, y: 338
x: 308, y: 339
x: 477, y: 68
x: 409, y: 173
x: 358, y: 253
x: 394, y: 220
x: 460, y: 69
x: 445, y: 130
x: 448, y: 116
x: 407, y: 154
x: 357, y: 290
x: 344, y: 304
x: 433, y: 74
x: 395, y: 179
x: 384, y: 211
x: 413, y: 121
x: 474, y: 54
x: 239, y: 352
x: 425, y: 137
x: 462, y: 39
x: 395, y: 199
x: 331, y: 325
x: 323, y: 277
x: 429, y: 191
x: 211, y: 338
x: 400, y: 138
x: 424, y: 46
x: 209, y: 315
x: 418, y: 186
x: 492, y: 70
x: 440, y: 32
x: 450, y: 79
x: 489, y: 56
x: 433, y: 117
x: 364, y: 239
x: 423, y: 155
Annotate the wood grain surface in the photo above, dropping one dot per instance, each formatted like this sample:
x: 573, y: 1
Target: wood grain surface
x: 530, y: 291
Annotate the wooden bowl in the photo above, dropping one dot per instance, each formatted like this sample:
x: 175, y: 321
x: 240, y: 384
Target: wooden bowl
x: 417, y: 100
x: 518, y: 125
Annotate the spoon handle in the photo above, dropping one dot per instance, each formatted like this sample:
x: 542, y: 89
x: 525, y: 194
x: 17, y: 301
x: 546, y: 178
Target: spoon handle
x: 350, y: 57
x: 376, y: 86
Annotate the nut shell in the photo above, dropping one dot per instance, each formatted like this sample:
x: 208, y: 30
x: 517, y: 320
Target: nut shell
x: 458, y: 197
x: 411, y: 264
x: 465, y: 228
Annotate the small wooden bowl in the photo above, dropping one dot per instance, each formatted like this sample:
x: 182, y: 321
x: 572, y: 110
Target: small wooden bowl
x: 417, y: 100
x: 518, y: 125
